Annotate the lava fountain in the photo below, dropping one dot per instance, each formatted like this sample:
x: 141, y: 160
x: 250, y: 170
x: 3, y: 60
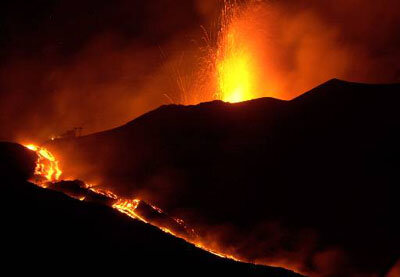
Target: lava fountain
x: 236, y: 66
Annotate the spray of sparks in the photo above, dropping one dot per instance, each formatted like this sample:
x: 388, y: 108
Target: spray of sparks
x: 234, y: 67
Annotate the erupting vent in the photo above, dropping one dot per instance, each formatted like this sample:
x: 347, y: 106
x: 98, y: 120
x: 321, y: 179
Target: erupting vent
x: 234, y: 60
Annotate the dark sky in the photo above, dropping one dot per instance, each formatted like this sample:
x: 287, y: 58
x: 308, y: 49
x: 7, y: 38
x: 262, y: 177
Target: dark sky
x: 43, y: 28
x: 99, y: 64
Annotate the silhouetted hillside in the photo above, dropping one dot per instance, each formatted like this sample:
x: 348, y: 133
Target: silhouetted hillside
x: 309, y: 181
x: 47, y: 232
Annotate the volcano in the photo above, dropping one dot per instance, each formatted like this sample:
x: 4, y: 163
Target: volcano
x: 49, y: 231
x: 307, y: 184
x: 310, y: 181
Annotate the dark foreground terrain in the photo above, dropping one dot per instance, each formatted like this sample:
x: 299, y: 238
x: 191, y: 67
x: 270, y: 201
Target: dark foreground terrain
x: 311, y: 182
x: 44, y: 231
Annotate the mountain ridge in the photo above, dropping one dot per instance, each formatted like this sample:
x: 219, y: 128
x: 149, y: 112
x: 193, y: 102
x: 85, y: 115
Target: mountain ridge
x: 262, y: 162
x: 48, y: 229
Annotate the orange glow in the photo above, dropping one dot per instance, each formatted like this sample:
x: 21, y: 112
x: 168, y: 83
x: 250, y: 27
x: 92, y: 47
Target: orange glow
x: 47, y: 168
x: 46, y: 164
x: 234, y: 69
x: 233, y: 73
x: 103, y: 192
x: 128, y: 207
x: 234, y: 62
x: 395, y: 270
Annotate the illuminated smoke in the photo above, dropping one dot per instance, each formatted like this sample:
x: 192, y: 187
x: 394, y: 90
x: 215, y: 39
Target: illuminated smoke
x: 286, y: 48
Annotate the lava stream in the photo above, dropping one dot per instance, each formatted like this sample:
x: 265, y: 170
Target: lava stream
x: 47, y: 175
x: 46, y: 164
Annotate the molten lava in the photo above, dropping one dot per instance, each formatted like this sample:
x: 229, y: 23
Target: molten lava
x: 47, y: 173
x: 46, y: 164
x: 128, y: 207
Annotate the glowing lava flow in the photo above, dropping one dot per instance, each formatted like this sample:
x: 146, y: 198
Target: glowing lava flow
x: 129, y: 207
x: 46, y: 164
x: 47, y: 173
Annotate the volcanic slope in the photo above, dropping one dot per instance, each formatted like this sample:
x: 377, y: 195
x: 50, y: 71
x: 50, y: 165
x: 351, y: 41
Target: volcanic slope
x: 311, y: 181
x: 47, y: 232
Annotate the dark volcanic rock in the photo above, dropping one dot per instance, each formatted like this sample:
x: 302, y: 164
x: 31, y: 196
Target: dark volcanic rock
x: 16, y: 161
x: 46, y: 232
x: 322, y: 167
